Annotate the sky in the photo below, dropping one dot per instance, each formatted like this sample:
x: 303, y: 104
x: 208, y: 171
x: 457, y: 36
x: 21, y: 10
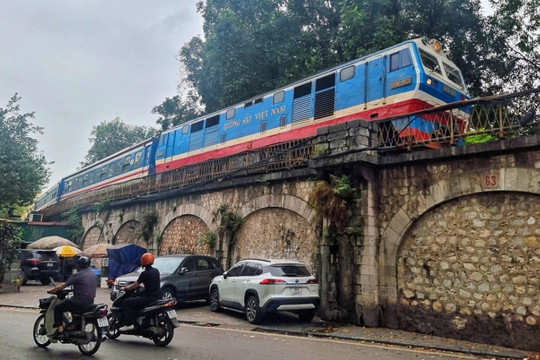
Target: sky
x: 78, y: 63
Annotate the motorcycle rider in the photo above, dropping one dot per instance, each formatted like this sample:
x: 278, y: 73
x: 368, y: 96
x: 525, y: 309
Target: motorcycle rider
x: 151, y: 280
x: 84, y: 292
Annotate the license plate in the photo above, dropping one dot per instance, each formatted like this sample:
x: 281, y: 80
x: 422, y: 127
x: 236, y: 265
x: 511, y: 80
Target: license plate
x: 171, y: 314
x: 296, y: 291
x: 50, y: 264
x: 103, y: 322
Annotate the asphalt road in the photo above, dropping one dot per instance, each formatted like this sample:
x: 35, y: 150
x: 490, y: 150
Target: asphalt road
x: 198, y: 342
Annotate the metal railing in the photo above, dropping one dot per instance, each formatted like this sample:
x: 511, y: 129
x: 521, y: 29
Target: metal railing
x: 495, y: 117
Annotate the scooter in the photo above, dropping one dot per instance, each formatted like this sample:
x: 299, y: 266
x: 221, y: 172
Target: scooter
x: 156, y: 321
x: 86, y: 329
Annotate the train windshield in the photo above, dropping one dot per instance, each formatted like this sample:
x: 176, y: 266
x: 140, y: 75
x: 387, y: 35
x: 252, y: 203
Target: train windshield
x: 430, y: 62
x: 432, y: 65
x: 453, y: 74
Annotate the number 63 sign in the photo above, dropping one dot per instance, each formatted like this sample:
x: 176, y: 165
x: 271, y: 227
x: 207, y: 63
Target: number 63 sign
x: 491, y: 181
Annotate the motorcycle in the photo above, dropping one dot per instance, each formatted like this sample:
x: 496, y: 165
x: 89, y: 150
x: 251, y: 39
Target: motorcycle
x: 156, y: 321
x: 84, y: 329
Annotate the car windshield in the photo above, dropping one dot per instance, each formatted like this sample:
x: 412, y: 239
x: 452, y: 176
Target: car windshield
x: 46, y: 255
x: 167, y: 265
x: 288, y: 270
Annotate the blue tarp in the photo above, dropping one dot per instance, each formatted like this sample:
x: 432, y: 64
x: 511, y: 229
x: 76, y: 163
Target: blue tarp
x: 124, y: 259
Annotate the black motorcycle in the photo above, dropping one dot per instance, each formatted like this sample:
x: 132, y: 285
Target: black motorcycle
x: 85, y: 329
x: 156, y: 321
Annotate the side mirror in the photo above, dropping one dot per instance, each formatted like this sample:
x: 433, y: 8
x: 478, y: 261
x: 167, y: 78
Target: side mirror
x: 225, y: 275
x: 184, y: 270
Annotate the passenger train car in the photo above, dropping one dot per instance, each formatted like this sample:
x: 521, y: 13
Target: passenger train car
x: 413, y: 75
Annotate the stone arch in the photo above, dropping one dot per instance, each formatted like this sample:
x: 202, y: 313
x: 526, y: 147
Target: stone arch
x: 510, y: 179
x: 185, y: 235
x: 130, y: 232
x: 188, y: 209
x: 478, y: 279
x: 288, y: 202
x: 293, y: 237
x: 93, y: 236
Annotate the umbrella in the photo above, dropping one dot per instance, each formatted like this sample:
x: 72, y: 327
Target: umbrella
x: 97, y: 250
x: 67, y: 251
x: 50, y: 242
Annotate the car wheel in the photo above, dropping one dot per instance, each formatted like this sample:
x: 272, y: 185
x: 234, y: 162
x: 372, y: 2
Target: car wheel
x: 253, y: 312
x: 215, y: 306
x: 45, y: 281
x: 166, y: 293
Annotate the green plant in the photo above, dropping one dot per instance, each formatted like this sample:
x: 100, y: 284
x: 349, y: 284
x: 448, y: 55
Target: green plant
x: 10, y: 241
x: 210, y: 238
x: 99, y: 206
x: 321, y: 149
x: 333, y: 201
x: 73, y: 217
x: 150, y: 219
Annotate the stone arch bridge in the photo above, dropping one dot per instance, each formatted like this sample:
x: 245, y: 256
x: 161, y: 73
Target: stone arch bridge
x: 449, y: 242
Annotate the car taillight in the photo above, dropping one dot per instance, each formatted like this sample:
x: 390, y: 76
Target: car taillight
x: 312, y: 281
x: 272, y: 282
x: 34, y: 261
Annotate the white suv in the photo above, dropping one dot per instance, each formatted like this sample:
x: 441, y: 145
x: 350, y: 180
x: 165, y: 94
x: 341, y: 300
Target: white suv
x: 258, y: 287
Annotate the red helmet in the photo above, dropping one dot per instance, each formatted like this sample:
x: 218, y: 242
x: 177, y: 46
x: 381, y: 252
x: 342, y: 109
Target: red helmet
x: 147, y: 259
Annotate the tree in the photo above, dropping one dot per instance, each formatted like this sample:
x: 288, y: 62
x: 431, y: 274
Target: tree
x: 113, y: 136
x: 175, y: 111
x: 10, y: 241
x: 517, y: 24
x: 23, y: 168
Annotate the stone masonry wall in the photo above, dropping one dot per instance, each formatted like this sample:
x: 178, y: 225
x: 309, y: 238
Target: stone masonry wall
x: 468, y: 257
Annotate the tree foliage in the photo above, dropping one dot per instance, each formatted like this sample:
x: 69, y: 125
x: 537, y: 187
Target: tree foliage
x: 250, y: 47
x: 112, y: 136
x: 10, y: 241
x: 175, y: 111
x: 23, y: 168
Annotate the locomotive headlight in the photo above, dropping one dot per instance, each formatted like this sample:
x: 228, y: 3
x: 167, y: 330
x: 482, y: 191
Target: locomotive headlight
x: 437, y: 46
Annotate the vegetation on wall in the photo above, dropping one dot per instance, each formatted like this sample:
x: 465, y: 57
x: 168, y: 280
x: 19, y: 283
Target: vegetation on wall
x: 99, y: 206
x: 10, y: 241
x: 73, y: 217
x: 150, y: 219
x: 333, y: 201
x: 230, y: 222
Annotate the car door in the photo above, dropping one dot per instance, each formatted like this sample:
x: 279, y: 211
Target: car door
x: 185, y: 278
x: 201, y: 277
x: 228, y: 285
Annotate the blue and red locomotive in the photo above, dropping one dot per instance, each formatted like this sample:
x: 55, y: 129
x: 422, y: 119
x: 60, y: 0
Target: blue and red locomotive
x: 411, y: 76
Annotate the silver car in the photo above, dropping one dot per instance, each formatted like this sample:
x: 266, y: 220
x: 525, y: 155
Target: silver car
x: 184, y: 277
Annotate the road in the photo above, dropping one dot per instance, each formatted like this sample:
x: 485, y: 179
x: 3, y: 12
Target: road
x: 199, y: 342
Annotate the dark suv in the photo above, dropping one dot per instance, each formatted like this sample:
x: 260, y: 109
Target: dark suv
x: 38, y: 265
x: 185, y: 277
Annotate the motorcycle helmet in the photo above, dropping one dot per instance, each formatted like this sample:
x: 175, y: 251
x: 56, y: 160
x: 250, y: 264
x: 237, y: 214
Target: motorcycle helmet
x: 147, y: 259
x: 82, y: 263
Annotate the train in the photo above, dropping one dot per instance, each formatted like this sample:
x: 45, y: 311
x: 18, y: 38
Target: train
x: 404, y: 78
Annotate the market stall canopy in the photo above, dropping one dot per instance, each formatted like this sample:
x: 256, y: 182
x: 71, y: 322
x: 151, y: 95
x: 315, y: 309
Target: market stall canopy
x: 124, y: 259
x: 67, y: 251
x: 50, y: 242
x: 97, y: 250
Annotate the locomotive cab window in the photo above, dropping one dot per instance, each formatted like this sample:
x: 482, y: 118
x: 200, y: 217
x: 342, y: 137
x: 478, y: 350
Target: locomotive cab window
x: 347, y: 73
x: 453, y: 74
x: 198, y: 126
x: 400, y: 60
x: 430, y: 62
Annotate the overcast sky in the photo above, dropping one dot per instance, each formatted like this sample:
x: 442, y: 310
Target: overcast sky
x: 77, y: 63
